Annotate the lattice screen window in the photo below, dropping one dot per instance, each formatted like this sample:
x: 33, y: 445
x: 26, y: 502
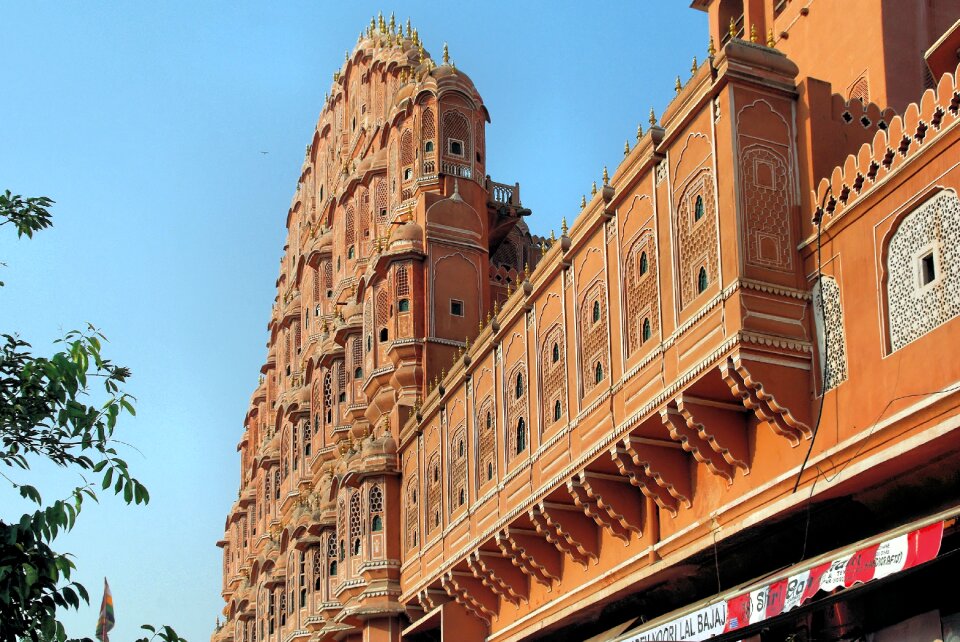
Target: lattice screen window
x: 383, y: 314
x: 403, y: 281
x: 697, y: 237
x: 506, y: 255
x: 923, y: 269
x: 831, y: 339
x: 341, y: 528
x: 433, y: 493
x: 428, y: 131
x: 380, y: 200
x: 406, y: 148
x: 341, y: 381
x: 316, y: 287
x: 295, y: 449
x: 350, y: 232
x: 307, y: 445
x: 488, y: 443
x: 276, y: 483
x: 356, y: 354
x: 553, y: 375
x: 517, y: 409
x: 595, y: 336
x: 327, y: 274
x: 328, y: 398
x: 355, y: 524
x: 456, y: 135
x: 318, y: 566
x: 642, y: 301
x: 458, y: 470
x: 376, y: 509
x: 363, y: 215
x: 413, y: 527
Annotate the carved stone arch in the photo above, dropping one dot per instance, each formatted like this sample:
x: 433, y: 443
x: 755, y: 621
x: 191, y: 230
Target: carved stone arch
x: 759, y: 120
x: 584, y: 260
x: 639, y: 210
x: 694, y: 154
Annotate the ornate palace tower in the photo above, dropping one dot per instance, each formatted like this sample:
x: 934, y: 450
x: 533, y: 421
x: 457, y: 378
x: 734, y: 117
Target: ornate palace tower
x: 725, y: 402
x: 392, y: 195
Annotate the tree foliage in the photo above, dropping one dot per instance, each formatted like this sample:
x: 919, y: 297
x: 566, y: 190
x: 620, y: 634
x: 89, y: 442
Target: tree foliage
x: 64, y: 410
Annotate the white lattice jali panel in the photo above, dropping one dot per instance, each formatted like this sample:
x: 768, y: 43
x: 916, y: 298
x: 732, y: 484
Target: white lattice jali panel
x: 831, y: 338
x: 916, y: 309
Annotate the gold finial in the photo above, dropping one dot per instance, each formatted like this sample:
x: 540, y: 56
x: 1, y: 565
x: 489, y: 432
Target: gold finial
x: 653, y: 118
x: 346, y: 56
x: 393, y: 23
x: 467, y: 342
x: 606, y: 176
x: 543, y: 248
x: 496, y: 308
x: 583, y: 201
x: 753, y: 33
x: 733, y: 28
x: 693, y: 67
x: 409, y: 29
x: 639, y: 132
x: 770, y: 41
x: 563, y: 226
x: 553, y: 237
x: 373, y: 25
x: 711, y: 48
x: 381, y: 25
x: 678, y: 86
x: 416, y: 37
x: 488, y: 317
x: 446, y: 54
x: 626, y: 147
x: 593, y: 189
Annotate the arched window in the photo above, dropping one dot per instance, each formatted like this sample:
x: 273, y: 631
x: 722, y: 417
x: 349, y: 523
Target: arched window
x: 702, y: 280
x: 557, y: 410
x: 519, y: 386
x: 698, y: 208
x: 489, y: 420
x: 462, y: 497
x: 596, y: 311
x: 460, y: 448
x: 489, y: 471
x: 333, y: 568
x: 356, y: 547
x: 384, y: 334
x: 407, y: 174
x: 369, y: 343
x: 556, y: 353
x: 376, y: 525
x: 428, y: 146
x: 403, y: 305
x: 376, y: 509
x: 644, y: 265
x: 521, y: 436
x: 350, y: 252
x: 598, y: 373
x: 645, y: 332
x: 358, y: 374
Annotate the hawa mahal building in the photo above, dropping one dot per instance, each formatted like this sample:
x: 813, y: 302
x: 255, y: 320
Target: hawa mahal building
x: 722, y: 404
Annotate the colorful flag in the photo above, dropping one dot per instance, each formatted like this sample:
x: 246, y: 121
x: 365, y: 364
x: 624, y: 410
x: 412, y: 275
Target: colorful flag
x: 106, y: 620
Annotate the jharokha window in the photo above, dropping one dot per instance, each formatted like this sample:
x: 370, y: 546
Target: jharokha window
x: 697, y: 237
x: 413, y: 525
x: 553, y: 375
x: 433, y: 493
x: 488, y: 453
x: 517, y: 421
x: 641, y: 294
x: 458, y: 470
x: 595, y: 335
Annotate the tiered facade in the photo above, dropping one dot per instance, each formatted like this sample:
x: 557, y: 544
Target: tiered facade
x: 740, y: 355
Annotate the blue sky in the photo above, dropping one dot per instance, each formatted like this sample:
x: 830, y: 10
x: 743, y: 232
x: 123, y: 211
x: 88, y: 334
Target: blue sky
x: 145, y: 122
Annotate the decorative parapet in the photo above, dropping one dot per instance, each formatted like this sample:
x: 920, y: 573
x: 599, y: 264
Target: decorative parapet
x: 904, y: 137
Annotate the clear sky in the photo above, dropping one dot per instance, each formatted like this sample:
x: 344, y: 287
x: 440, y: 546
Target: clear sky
x: 145, y: 121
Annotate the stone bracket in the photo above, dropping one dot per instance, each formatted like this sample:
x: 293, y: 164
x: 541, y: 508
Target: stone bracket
x: 608, y: 501
x: 657, y: 467
x: 531, y: 554
x: 566, y: 527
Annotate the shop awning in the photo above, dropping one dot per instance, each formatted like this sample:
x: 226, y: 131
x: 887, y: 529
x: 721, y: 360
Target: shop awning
x: 872, y: 559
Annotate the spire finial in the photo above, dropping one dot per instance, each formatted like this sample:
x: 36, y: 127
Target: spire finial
x: 693, y: 67
x: 553, y: 237
x: 543, y: 248
x: 593, y: 189
x: 416, y: 37
x: 381, y: 25
x: 409, y: 29
x: 711, y: 48
x: 346, y: 56
x: 733, y: 28
x: 753, y: 33
x: 420, y: 54
x: 563, y: 226
x: 583, y: 201
x: 639, y: 132
x: 393, y: 23
x: 606, y: 176
x: 446, y: 54
x: 678, y: 86
x: 653, y: 118
x: 526, y: 270
x: 626, y: 147
x: 770, y: 41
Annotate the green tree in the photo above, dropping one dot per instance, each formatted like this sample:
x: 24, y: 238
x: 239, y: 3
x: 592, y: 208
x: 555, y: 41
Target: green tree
x: 62, y: 409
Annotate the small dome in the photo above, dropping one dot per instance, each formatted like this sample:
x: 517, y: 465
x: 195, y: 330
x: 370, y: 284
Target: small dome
x: 409, y: 231
x: 352, y: 308
x: 385, y: 445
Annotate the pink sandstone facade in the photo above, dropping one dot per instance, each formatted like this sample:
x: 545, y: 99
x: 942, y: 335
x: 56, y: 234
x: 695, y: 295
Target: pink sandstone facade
x: 741, y: 355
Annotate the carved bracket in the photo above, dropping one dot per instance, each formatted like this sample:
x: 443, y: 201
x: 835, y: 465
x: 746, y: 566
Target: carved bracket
x: 499, y: 575
x: 691, y: 441
x: 766, y: 407
x: 531, y: 554
x: 657, y: 467
x: 721, y: 425
x: 566, y: 527
x: 468, y: 592
x: 608, y: 501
